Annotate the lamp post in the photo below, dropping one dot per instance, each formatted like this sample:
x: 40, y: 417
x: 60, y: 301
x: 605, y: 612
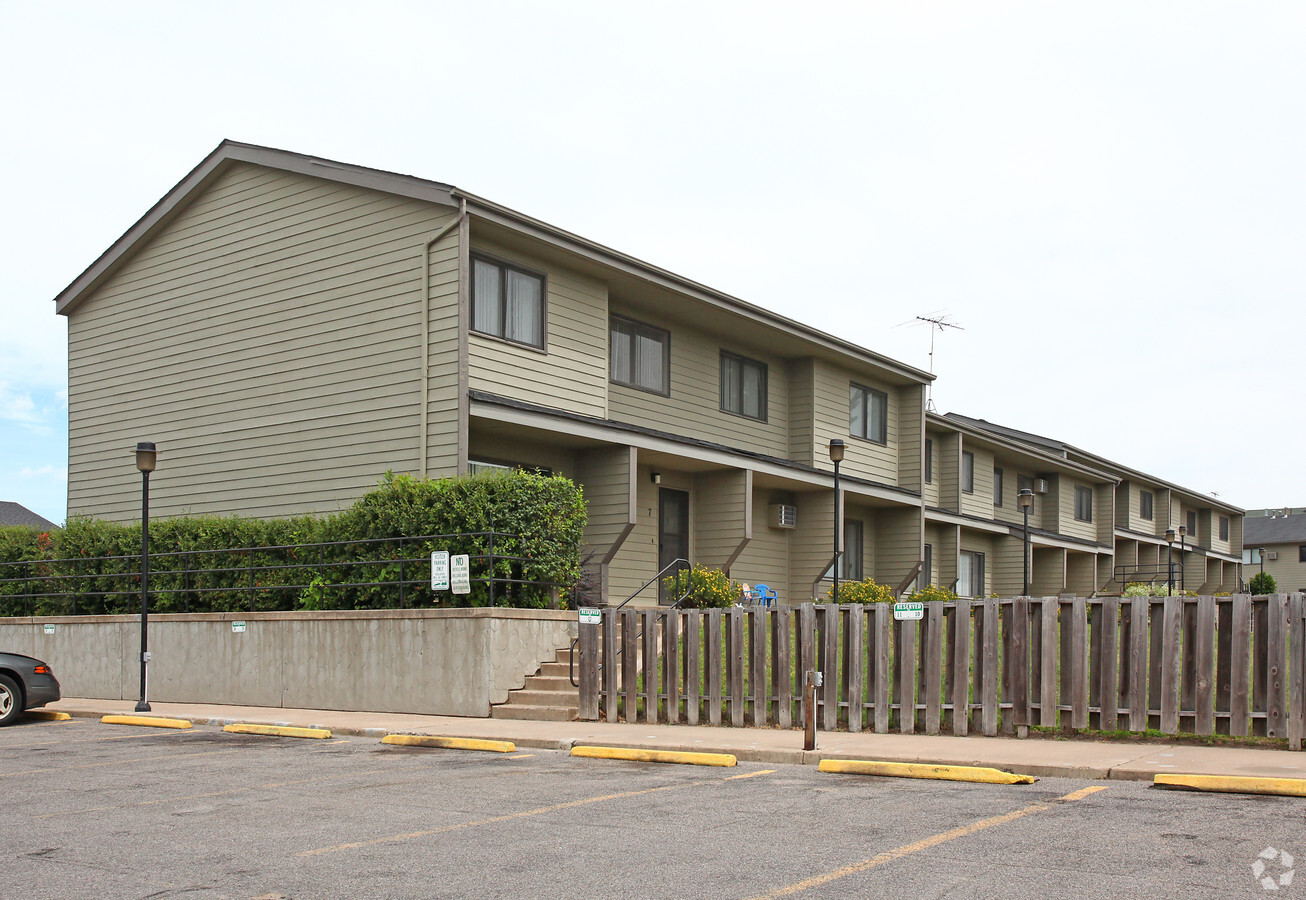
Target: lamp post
x: 1262, y: 554
x: 1169, y: 556
x: 836, y: 457
x: 146, y: 458
x: 1026, y: 497
x: 1183, y: 549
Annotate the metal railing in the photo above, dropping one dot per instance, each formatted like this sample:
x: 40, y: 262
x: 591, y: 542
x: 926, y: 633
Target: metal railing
x: 679, y: 565
x: 371, y: 573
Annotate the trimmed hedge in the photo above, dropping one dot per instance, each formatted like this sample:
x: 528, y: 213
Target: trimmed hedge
x: 541, y: 519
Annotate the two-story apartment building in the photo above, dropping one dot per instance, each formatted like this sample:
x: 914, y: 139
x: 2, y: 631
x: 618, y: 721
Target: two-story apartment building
x: 1137, y: 523
x: 287, y: 329
x: 1275, y: 543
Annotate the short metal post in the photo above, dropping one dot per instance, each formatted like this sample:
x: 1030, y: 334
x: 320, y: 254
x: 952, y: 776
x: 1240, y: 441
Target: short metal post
x: 810, y: 680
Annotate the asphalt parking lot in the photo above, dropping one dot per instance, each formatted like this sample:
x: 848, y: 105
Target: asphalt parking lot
x: 93, y: 810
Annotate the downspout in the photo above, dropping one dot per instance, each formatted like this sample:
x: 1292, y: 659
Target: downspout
x: 425, y: 416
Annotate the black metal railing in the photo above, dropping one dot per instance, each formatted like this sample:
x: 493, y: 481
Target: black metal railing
x: 679, y: 565
x: 375, y: 573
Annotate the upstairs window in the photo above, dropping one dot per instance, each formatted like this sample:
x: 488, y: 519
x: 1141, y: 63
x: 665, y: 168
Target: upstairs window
x: 1145, y: 505
x: 1301, y: 553
x: 1083, y: 504
x: 929, y: 461
x: 743, y: 386
x: 997, y: 487
x: 507, y: 302
x: 968, y: 472
x: 639, y: 356
x: 1224, y: 528
x: 1192, y: 525
x: 868, y: 413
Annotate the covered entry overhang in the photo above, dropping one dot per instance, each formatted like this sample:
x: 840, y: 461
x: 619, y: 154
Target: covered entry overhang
x: 760, y: 518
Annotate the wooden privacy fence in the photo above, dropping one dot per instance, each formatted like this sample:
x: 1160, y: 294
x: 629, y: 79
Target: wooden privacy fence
x: 1199, y: 665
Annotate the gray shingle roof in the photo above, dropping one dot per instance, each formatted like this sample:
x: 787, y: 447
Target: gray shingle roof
x: 16, y: 514
x: 1258, y: 530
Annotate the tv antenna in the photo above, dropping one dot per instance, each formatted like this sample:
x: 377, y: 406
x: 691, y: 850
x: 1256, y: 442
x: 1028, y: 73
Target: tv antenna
x: 937, y: 324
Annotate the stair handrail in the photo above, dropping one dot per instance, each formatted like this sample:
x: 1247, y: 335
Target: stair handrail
x: 571, y: 658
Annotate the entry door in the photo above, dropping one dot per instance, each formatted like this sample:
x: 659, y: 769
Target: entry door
x: 673, y: 533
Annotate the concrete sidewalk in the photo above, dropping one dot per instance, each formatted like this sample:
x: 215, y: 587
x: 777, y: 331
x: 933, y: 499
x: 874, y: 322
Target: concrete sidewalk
x: 1034, y: 756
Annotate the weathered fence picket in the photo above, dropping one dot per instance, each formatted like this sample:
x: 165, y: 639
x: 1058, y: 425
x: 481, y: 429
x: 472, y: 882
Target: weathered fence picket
x: 1209, y: 665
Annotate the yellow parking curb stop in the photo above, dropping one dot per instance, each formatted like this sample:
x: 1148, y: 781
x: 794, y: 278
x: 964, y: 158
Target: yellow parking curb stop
x: 979, y: 774
x: 1234, y: 784
x: 278, y: 730
x: 48, y: 715
x: 148, y: 721
x: 449, y: 743
x: 661, y: 756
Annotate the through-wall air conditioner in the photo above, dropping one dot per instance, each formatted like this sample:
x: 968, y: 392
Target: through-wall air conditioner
x: 1272, y: 554
x: 783, y: 515
x: 1040, y: 485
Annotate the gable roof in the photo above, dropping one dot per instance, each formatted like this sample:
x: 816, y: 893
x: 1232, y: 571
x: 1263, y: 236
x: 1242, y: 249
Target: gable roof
x: 1259, y: 530
x: 1071, y: 452
x: 230, y: 153
x: 16, y: 514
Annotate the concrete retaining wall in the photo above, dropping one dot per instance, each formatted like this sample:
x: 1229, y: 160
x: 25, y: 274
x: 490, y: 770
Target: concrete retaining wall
x: 454, y: 662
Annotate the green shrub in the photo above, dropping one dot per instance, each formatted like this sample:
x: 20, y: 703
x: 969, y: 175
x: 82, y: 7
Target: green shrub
x: 864, y: 591
x: 541, y: 520
x: 703, y: 588
x: 1263, y: 583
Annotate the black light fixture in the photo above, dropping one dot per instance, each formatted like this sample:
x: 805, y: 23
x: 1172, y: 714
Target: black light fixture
x: 146, y: 459
x: 1026, y: 497
x: 1183, y: 548
x: 1169, y: 555
x: 836, y: 457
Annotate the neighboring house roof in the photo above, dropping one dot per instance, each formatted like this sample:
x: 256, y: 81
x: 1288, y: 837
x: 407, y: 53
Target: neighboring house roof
x: 1061, y: 448
x: 16, y: 514
x: 1261, y: 530
x: 229, y: 153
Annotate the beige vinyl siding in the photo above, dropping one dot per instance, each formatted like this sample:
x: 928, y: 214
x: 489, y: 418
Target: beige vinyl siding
x: 443, y: 393
x: 802, y: 425
x: 1007, y: 577
x: 930, y: 489
x: 811, y: 545
x: 1288, y: 572
x: 1106, y: 574
x: 980, y: 503
x: 1081, y: 573
x: 911, y: 437
x: 694, y: 407
x: 933, y: 536
x: 1104, y: 512
x: 947, y: 471
x: 722, y: 520
x: 765, y: 560
x: 898, y: 540
x: 1068, y: 524
x: 863, y: 458
x: 1048, y: 575
x: 268, y: 340
x: 945, y: 555
x: 637, y: 560
x: 1010, y: 510
x: 572, y: 372
x: 605, y: 476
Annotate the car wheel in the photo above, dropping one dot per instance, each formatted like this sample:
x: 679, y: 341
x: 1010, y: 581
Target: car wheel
x: 11, y: 701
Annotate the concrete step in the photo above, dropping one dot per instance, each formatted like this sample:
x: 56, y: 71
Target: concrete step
x: 556, y: 669
x: 528, y: 697
x: 538, y: 713
x: 549, y: 683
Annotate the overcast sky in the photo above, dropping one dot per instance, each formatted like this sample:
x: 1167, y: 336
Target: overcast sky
x: 1107, y: 197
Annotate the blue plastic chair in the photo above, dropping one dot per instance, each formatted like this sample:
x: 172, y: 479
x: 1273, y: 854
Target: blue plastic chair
x: 765, y: 596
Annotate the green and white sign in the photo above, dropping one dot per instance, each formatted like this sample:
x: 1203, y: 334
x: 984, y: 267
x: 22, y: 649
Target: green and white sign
x: 49, y: 629
x: 440, y: 570
x: 460, y: 573
x: 909, y: 611
x: 237, y: 627
x: 589, y: 615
